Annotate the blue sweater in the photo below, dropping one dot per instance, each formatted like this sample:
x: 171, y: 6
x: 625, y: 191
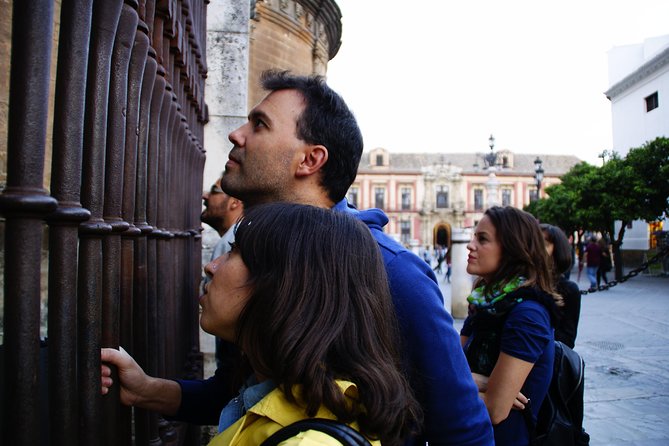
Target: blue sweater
x: 438, y: 370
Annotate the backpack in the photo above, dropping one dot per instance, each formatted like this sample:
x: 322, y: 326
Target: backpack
x: 339, y: 431
x: 560, y: 419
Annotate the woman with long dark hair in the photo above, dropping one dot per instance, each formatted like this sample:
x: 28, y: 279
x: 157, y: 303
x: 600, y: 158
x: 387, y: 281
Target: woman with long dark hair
x: 508, y: 335
x: 559, y: 250
x: 304, y: 295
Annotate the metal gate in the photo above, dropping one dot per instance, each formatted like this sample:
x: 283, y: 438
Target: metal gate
x: 122, y: 213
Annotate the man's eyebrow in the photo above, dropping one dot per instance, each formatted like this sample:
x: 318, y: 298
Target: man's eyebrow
x: 259, y: 114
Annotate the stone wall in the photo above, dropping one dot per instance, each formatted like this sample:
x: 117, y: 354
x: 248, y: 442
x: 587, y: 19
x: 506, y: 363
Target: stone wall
x: 5, y: 54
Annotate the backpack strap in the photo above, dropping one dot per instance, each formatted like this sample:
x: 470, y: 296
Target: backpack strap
x: 339, y: 431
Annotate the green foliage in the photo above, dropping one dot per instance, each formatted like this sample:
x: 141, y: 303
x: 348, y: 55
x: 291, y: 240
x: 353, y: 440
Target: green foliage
x: 625, y: 189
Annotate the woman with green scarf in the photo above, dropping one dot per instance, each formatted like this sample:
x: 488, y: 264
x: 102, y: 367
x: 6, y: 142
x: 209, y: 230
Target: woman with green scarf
x: 508, y: 335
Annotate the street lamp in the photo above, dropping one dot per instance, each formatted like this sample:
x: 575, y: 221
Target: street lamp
x: 538, y: 174
x: 491, y: 158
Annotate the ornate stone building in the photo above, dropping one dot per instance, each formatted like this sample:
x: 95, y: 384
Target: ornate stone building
x: 427, y: 195
x: 296, y: 35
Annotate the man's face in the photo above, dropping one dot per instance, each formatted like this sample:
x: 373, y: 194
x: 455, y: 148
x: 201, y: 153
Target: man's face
x: 215, y: 204
x: 266, y: 153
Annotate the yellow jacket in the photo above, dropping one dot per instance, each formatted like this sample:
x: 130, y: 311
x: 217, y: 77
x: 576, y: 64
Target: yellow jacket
x: 274, y: 412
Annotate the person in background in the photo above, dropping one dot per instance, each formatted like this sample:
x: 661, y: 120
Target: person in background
x: 559, y: 250
x: 221, y: 212
x: 593, y: 257
x: 508, y: 335
x: 319, y: 338
x: 604, y: 262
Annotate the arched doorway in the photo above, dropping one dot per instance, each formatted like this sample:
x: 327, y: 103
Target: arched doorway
x: 442, y: 235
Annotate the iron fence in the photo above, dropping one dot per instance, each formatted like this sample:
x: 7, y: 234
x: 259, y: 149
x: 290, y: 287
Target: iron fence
x: 122, y: 212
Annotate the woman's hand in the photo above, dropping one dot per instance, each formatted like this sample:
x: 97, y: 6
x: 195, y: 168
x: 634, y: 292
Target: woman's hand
x: 520, y: 402
x: 138, y: 388
x: 132, y: 379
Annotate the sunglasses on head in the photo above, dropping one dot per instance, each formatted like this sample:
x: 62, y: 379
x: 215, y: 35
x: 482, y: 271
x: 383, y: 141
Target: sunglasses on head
x: 215, y: 189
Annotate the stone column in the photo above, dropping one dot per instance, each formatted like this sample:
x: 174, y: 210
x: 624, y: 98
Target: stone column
x: 461, y: 281
x: 492, y: 185
x: 226, y: 88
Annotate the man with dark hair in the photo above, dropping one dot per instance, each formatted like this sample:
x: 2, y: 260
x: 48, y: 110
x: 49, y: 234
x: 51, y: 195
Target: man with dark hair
x: 221, y: 212
x: 302, y: 144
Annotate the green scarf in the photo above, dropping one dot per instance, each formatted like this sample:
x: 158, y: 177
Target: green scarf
x: 491, y: 303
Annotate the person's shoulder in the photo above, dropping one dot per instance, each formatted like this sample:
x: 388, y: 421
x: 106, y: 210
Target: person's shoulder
x: 568, y: 286
x: 311, y: 438
x: 533, y: 302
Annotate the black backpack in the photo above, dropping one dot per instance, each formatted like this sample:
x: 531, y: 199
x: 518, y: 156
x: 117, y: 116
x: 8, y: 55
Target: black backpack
x: 346, y: 435
x: 560, y: 419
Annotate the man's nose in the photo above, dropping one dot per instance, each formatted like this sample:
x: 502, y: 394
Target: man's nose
x: 237, y: 136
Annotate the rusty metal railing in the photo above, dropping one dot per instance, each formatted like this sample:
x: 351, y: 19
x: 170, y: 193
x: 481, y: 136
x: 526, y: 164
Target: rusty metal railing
x: 122, y: 213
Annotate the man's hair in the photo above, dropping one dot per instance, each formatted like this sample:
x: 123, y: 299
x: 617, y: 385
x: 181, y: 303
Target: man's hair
x: 523, y: 249
x: 562, y: 255
x: 327, y: 121
x: 319, y: 310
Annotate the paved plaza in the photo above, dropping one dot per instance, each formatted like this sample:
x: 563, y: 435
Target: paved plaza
x: 623, y: 337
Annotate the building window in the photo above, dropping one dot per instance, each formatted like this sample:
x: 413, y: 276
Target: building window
x: 478, y: 199
x: 652, y: 102
x: 379, y: 197
x: 405, y: 231
x: 406, y: 198
x: 534, y: 195
x: 379, y: 160
x: 353, y: 196
x: 442, y: 197
x: 506, y: 197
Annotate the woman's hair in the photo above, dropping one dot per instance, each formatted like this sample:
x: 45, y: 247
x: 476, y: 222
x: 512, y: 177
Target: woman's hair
x: 320, y: 309
x: 562, y: 255
x: 523, y: 250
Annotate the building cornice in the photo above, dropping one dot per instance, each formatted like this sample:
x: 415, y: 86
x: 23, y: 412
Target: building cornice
x: 318, y: 16
x: 643, y: 72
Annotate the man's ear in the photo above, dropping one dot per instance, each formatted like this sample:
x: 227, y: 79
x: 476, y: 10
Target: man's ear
x: 314, y: 159
x: 234, y: 203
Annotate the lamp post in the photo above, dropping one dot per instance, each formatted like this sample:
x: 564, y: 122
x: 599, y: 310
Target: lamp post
x: 492, y: 185
x: 538, y: 175
x: 491, y: 158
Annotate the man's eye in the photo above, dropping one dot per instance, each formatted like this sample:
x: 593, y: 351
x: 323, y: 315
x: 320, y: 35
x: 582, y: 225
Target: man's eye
x: 259, y: 123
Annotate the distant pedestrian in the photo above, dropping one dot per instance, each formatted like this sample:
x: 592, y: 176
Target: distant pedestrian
x: 593, y: 256
x: 427, y: 255
x: 441, y: 256
x: 604, y: 263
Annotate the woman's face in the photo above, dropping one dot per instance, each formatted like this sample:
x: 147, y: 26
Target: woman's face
x: 485, y: 252
x: 225, y: 295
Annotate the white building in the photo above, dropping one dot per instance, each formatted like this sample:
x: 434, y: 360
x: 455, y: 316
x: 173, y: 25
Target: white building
x: 639, y: 95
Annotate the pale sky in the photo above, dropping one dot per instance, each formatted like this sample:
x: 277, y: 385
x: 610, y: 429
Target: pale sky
x: 442, y: 75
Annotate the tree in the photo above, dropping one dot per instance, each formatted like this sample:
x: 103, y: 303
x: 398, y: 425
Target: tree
x: 642, y: 183
x: 624, y: 189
